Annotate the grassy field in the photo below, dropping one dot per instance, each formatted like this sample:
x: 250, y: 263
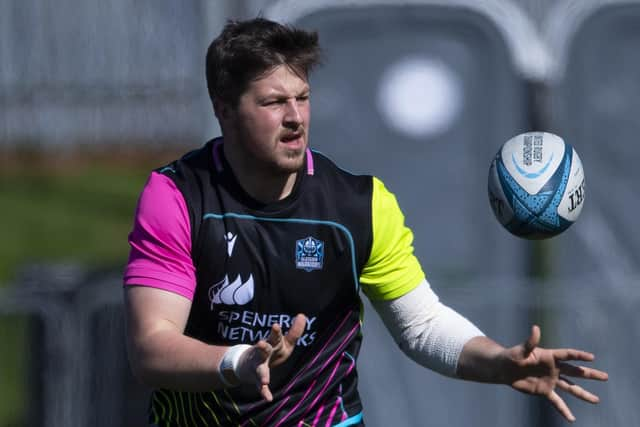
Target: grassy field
x: 78, y: 209
x: 84, y: 216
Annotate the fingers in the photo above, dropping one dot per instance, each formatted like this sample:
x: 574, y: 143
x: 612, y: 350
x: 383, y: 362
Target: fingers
x: 561, y: 406
x: 251, y: 360
x: 293, y: 334
x: 263, y: 351
x: 568, y: 386
x: 297, y: 328
x: 275, y: 336
x: 572, y: 354
x: 265, y: 392
x: 532, y: 342
x: 263, y: 382
x: 272, y: 352
x: 253, y: 366
x: 582, y: 372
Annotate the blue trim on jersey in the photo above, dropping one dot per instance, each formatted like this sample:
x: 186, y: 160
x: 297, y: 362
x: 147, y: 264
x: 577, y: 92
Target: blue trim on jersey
x: 298, y: 221
x: 350, y: 421
x: 167, y: 168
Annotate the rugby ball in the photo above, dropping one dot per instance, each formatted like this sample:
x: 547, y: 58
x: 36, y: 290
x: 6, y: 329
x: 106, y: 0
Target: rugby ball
x: 536, y: 185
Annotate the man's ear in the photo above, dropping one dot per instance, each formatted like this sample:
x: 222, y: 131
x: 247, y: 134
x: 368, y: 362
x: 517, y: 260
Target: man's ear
x: 221, y: 109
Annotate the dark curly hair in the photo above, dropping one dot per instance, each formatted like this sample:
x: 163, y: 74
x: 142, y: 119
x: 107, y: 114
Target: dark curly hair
x: 245, y: 50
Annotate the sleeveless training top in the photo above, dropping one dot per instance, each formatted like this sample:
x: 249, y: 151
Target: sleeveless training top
x: 256, y: 265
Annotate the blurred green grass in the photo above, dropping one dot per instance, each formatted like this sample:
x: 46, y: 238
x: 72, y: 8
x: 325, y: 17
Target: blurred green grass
x: 84, y: 217
x: 77, y: 212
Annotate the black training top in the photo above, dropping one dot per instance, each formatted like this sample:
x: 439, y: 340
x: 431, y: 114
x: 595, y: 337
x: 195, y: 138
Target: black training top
x: 256, y: 265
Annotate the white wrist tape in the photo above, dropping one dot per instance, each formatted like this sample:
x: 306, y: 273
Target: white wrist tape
x: 426, y: 330
x: 228, y: 368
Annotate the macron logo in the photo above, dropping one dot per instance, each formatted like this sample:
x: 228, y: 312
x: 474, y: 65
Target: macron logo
x: 231, y: 241
x: 231, y: 293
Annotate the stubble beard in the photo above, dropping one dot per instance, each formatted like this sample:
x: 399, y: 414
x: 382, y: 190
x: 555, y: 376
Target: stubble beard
x: 280, y: 163
x: 289, y: 160
x: 295, y: 160
x: 284, y: 167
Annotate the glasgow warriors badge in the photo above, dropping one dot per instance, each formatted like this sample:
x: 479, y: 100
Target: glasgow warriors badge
x: 309, y: 254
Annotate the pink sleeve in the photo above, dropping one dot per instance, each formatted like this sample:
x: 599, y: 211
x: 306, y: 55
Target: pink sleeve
x: 160, y: 242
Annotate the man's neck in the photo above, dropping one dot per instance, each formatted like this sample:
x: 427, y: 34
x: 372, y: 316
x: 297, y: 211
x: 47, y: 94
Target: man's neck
x: 260, y: 183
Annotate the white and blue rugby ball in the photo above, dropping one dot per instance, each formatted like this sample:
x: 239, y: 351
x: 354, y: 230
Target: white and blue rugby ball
x: 536, y: 185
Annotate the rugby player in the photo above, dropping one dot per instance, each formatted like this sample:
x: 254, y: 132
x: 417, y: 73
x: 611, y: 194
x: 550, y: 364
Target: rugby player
x: 249, y: 255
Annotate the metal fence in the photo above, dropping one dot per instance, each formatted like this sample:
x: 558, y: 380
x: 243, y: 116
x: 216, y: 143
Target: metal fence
x: 88, y: 73
x: 78, y: 369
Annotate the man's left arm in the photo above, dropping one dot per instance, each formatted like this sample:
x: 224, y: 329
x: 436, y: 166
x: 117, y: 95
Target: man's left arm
x: 441, y: 339
x: 429, y: 332
x: 530, y: 369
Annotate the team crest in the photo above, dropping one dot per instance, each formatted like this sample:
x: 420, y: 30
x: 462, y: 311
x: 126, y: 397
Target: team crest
x: 309, y: 254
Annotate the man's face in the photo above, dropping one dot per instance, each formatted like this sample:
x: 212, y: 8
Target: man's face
x: 271, y: 121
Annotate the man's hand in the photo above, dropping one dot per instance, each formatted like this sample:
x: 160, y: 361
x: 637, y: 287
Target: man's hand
x: 535, y: 370
x: 283, y: 345
x: 255, y: 363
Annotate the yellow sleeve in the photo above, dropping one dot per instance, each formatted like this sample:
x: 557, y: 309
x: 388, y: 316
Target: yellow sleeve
x: 392, y: 269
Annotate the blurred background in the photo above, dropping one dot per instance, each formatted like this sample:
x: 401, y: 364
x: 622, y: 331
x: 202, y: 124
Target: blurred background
x: 93, y: 95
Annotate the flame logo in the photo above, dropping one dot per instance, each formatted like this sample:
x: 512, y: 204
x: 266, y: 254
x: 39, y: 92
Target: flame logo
x: 236, y: 292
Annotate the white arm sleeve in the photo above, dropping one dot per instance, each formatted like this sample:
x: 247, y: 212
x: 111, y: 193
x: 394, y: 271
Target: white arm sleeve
x: 426, y: 330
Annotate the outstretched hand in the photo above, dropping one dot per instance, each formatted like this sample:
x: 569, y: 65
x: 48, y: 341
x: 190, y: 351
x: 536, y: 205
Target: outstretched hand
x: 255, y: 364
x: 535, y: 370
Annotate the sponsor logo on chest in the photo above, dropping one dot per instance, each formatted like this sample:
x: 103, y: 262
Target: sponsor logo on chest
x: 238, y: 322
x: 231, y: 292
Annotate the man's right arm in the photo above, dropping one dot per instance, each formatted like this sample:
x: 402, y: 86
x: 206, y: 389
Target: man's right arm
x: 159, y: 353
x: 159, y: 287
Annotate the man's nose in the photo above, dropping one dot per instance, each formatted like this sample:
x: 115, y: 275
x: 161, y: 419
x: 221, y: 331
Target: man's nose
x: 292, y: 117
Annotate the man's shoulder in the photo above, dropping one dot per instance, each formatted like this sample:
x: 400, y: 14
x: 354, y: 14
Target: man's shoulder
x: 333, y: 179
x: 194, y: 162
x: 327, y: 165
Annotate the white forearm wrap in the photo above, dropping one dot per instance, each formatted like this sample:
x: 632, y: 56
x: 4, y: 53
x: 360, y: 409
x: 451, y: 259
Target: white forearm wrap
x: 426, y: 330
x: 230, y: 362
